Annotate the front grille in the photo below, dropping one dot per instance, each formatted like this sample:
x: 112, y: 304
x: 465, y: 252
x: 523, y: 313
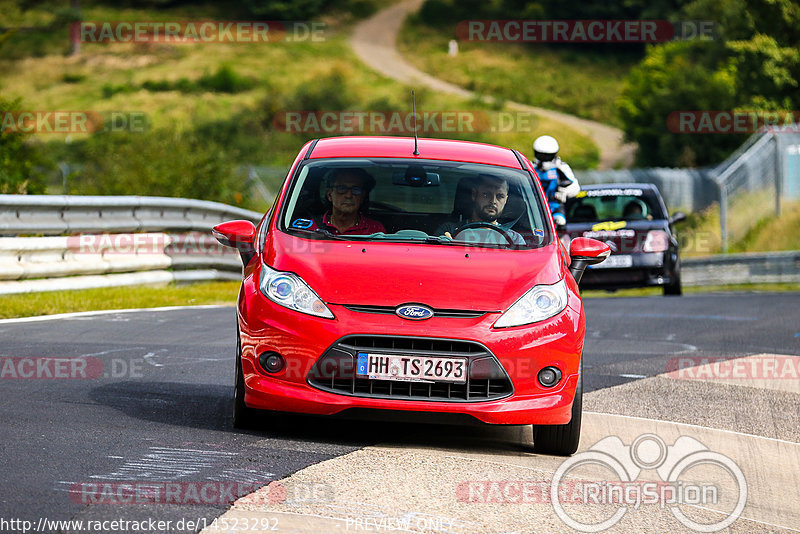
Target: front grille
x: 443, y: 313
x: 335, y: 370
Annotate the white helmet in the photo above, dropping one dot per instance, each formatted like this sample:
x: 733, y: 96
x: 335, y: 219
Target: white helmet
x: 545, y: 148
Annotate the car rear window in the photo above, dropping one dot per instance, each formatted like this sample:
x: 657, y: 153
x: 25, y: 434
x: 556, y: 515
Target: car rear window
x: 619, y: 204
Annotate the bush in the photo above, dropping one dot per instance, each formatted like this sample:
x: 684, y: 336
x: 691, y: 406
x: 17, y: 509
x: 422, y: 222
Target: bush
x: 675, y: 77
x: 19, y: 159
x: 108, y: 90
x: 73, y: 77
x: 332, y: 91
x: 164, y: 162
x: 224, y: 80
x: 753, y: 64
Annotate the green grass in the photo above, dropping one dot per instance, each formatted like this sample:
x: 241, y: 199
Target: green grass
x: 574, y: 80
x: 116, y: 298
x: 225, y: 293
x: 115, y: 77
x: 693, y: 290
x: 752, y: 227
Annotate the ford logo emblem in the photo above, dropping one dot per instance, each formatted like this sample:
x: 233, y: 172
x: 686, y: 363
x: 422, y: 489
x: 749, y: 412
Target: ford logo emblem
x: 414, y: 312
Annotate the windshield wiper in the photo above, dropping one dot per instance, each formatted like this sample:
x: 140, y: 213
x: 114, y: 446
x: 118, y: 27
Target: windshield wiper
x: 399, y: 238
x: 320, y: 231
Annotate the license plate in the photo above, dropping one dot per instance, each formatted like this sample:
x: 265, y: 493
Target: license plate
x: 615, y: 262
x: 411, y: 368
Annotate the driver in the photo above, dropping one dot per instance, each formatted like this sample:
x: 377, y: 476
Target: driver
x: 348, y: 190
x: 489, y: 198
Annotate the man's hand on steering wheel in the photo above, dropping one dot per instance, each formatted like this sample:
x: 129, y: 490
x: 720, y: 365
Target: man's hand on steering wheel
x: 483, y: 224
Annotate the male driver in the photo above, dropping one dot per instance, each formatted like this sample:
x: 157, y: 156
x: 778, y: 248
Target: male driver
x: 347, y: 191
x: 489, y: 197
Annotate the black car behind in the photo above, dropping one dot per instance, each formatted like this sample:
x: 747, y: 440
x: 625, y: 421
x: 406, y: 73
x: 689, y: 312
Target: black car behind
x: 633, y: 220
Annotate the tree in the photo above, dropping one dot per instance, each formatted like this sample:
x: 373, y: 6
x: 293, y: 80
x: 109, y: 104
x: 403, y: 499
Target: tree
x: 752, y: 64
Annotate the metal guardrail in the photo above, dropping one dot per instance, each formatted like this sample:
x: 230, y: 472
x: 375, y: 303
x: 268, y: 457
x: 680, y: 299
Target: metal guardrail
x: 102, y: 241
x: 118, y: 256
x: 750, y: 185
x: 64, y: 214
x: 749, y: 268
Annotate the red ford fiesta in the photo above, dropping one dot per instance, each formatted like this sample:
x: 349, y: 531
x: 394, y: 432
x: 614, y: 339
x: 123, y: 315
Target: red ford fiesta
x: 421, y: 278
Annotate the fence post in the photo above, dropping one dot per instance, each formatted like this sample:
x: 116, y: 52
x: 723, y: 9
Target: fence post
x: 778, y: 173
x: 723, y: 216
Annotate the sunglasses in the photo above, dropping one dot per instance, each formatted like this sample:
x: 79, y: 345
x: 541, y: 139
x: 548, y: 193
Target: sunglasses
x: 343, y: 189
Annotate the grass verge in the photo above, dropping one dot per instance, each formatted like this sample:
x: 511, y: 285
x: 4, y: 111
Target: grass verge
x: 224, y: 293
x: 585, y: 83
x: 170, y: 85
x: 117, y: 298
x: 693, y: 290
x: 752, y: 227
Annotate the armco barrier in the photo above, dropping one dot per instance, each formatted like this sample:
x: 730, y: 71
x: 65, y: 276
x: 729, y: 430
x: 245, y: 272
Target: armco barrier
x: 81, y: 242
x: 173, y: 243
x: 63, y: 214
x: 750, y: 268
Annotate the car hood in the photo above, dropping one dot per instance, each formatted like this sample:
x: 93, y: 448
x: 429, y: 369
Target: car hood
x: 389, y: 274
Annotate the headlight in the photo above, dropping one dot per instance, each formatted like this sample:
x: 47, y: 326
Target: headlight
x: 538, y: 304
x: 656, y: 241
x: 289, y: 291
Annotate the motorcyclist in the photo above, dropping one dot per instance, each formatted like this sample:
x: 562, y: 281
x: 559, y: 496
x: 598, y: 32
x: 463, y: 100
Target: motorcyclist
x: 558, y: 180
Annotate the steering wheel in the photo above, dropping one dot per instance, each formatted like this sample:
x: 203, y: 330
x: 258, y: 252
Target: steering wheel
x: 490, y: 226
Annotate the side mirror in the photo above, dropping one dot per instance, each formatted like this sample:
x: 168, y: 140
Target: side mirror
x: 239, y: 235
x: 677, y: 217
x: 584, y: 252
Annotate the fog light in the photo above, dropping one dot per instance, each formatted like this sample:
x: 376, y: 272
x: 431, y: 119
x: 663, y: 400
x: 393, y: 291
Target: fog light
x: 271, y: 362
x: 549, y: 376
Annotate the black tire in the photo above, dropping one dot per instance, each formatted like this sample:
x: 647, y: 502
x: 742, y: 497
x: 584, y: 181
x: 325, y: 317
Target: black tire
x: 562, y: 440
x: 674, y: 287
x: 243, y: 417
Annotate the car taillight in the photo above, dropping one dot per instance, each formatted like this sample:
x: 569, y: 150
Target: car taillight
x: 656, y: 241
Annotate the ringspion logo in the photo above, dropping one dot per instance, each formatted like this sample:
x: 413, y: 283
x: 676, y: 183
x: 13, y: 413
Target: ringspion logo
x: 721, y: 484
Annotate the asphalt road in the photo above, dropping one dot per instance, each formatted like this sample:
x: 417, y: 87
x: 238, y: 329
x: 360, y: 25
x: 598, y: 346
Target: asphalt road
x: 157, y: 409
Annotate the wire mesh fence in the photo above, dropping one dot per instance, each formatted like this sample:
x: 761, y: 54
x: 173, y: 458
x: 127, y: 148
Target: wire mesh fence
x: 751, y: 185
x: 754, y: 182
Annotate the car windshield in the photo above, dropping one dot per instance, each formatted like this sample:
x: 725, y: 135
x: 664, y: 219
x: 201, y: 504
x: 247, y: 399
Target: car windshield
x: 425, y: 201
x: 614, y: 204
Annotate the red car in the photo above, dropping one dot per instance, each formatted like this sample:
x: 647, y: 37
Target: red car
x: 421, y: 279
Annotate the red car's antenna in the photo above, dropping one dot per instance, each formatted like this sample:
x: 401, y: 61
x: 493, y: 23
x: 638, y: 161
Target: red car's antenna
x: 414, y: 107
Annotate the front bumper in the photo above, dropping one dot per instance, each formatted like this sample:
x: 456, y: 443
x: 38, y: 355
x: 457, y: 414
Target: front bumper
x: 302, y: 340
